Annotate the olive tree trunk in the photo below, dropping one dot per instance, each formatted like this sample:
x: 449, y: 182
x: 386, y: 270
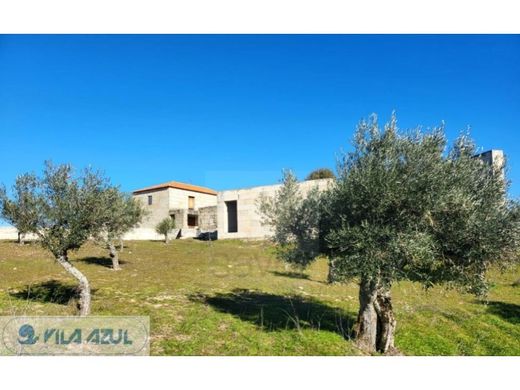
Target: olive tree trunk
x: 21, y: 238
x: 114, y: 255
x: 84, y: 285
x: 375, y: 327
x: 330, y: 275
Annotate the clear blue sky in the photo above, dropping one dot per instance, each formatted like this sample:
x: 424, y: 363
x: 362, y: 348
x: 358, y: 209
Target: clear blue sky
x: 232, y: 111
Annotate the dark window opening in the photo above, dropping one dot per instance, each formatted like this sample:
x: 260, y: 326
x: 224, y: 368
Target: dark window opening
x: 232, y: 218
x: 193, y: 221
x: 149, y: 200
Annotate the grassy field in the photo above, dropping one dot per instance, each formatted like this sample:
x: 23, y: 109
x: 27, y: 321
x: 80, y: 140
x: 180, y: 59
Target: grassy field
x: 234, y: 298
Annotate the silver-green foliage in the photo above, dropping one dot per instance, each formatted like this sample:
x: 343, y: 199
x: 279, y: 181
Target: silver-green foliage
x: 20, y: 210
x: 69, y: 209
x: 404, y: 206
x: 120, y: 214
x: 165, y: 227
x: 295, y: 220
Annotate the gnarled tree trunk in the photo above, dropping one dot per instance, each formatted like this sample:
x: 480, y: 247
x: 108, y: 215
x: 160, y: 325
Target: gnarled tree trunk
x: 386, y: 322
x: 114, y: 256
x: 376, y: 322
x: 21, y: 238
x: 366, y: 326
x: 84, y: 285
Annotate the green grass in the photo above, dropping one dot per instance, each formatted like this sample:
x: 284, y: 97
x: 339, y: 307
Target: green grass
x: 234, y: 298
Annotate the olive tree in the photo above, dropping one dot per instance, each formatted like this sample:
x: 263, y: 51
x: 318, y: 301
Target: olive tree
x: 120, y: 213
x: 19, y: 211
x: 67, y: 211
x: 405, y: 206
x: 165, y: 227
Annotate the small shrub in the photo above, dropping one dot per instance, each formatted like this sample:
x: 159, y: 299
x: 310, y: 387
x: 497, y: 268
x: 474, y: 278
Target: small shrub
x: 321, y: 173
x: 165, y: 227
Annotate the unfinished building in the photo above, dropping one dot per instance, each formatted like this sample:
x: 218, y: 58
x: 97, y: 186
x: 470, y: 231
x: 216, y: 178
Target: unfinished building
x: 188, y: 205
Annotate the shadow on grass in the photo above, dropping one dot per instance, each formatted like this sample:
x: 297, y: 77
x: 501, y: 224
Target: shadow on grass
x: 52, y: 291
x: 102, y: 261
x: 277, y: 312
x: 292, y: 275
x: 507, y: 311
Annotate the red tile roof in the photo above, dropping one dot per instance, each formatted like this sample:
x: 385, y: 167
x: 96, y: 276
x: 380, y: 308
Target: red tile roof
x: 177, y: 185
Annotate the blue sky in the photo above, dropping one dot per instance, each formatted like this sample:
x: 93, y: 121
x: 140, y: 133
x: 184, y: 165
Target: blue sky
x: 228, y: 111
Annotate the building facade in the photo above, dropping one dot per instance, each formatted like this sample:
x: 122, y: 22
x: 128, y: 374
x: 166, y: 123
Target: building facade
x: 202, y: 212
x: 494, y: 157
x: 186, y: 204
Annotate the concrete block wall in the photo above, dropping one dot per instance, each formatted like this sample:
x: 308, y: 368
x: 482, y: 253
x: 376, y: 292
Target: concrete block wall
x: 158, y: 210
x: 10, y: 233
x: 178, y: 199
x: 248, y: 216
x: 494, y: 157
x: 142, y: 234
x: 208, y: 218
x: 180, y: 216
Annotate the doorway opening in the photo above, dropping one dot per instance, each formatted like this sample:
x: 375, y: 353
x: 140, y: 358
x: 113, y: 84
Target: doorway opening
x: 232, y: 217
x: 193, y: 221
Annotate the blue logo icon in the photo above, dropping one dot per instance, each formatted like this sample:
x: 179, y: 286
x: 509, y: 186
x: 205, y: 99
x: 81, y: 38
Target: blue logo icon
x: 27, y: 332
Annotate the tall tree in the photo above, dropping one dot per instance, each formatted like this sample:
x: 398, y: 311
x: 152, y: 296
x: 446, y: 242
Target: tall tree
x: 120, y: 214
x: 19, y: 211
x: 405, y: 206
x: 67, y: 210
